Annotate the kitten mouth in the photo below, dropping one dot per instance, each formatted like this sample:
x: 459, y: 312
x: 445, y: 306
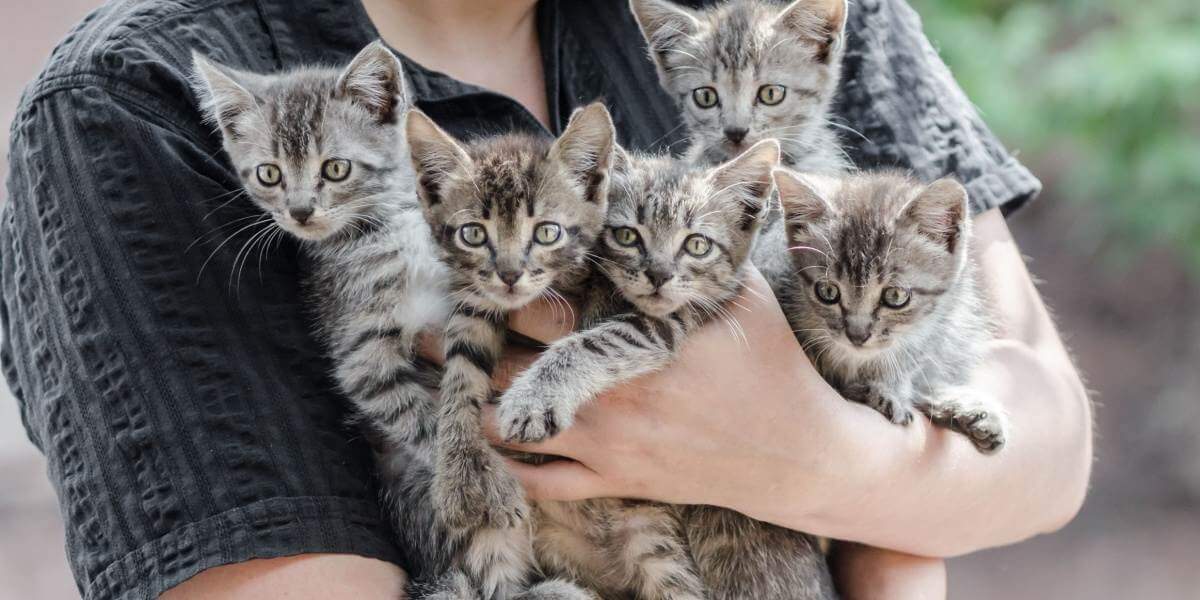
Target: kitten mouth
x: 510, y: 298
x: 313, y: 232
x: 656, y: 303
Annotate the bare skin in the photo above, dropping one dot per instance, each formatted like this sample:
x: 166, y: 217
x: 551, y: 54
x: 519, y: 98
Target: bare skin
x: 303, y: 577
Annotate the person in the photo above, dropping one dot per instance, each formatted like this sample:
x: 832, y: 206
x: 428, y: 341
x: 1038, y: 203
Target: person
x: 188, y: 417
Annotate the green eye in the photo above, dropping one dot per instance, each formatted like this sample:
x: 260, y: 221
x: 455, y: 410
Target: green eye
x: 473, y: 234
x: 335, y: 169
x: 771, y: 94
x: 827, y: 291
x: 697, y: 245
x: 895, y: 297
x: 268, y: 174
x: 626, y: 236
x: 547, y: 233
x: 705, y: 97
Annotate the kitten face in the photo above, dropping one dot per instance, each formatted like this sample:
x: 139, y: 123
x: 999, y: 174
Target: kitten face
x: 874, y: 256
x: 746, y: 70
x: 678, y: 235
x: 317, y: 149
x: 515, y: 215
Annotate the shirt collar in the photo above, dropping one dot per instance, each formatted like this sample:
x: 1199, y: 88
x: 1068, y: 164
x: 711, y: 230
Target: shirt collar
x: 332, y: 31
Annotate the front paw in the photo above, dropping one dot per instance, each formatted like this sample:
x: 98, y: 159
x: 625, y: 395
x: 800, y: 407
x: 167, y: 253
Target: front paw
x: 887, y: 405
x: 985, y: 429
x: 528, y: 414
x: 474, y: 489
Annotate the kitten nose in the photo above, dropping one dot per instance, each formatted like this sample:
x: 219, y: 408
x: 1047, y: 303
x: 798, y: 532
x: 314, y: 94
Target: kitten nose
x: 509, y: 277
x: 658, y: 276
x: 736, y: 134
x: 858, y: 336
x: 301, y: 213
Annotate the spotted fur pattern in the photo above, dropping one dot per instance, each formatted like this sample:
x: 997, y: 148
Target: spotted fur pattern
x: 377, y: 280
x: 884, y: 299
x: 513, y: 217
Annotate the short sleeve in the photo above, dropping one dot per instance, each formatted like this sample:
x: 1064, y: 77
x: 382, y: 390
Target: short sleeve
x: 902, y: 108
x: 166, y: 373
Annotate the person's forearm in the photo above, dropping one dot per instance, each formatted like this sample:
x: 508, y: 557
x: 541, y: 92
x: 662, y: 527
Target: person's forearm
x: 866, y: 573
x: 929, y: 480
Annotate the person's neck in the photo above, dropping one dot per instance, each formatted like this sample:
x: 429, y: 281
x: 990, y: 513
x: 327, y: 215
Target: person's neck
x: 491, y: 43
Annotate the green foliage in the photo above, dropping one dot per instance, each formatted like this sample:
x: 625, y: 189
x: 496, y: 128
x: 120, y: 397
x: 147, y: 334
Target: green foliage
x: 1102, y: 99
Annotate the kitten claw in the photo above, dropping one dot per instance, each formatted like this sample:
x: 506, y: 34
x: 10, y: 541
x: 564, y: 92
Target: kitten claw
x: 984, y: 429
x: 528, y: 418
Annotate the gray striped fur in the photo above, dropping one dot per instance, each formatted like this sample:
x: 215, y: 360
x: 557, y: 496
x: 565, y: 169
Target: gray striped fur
x: 376, y: 280
x: 501, y: 189
x: 633, y: 325
x: 864, y: 234
x: 735, y: 48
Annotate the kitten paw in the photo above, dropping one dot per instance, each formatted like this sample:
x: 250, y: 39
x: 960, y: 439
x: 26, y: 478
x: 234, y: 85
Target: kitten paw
x: 985, y: 429
x: 474, y: 489
x: 529, y: 416
x: 891, y: 408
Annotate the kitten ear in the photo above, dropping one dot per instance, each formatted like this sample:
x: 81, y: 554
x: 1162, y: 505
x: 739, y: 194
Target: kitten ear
x: 375, y: 81
x: 819, y: 22
x: 586, y: 149
x: 803, y: 197
x: 435, y: 157
x: 664, y: 24
x: 940, y: 213
x: 748, y: 178
x: 223, y: 97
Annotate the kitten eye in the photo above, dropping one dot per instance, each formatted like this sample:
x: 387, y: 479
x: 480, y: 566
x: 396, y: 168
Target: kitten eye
x: 705, y: 97
x: 697, y: 245
x: 771, y: 94
x: 335, y: 169
x: 895, y: 297
x: 827, y: 291
x: 626, y: 236
x: 268, y: 174
x: 473, y: 235
x: 547, y: 233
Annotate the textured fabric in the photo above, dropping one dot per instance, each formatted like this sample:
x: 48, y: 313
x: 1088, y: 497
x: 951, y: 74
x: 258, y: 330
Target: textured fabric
x: 172, y: 382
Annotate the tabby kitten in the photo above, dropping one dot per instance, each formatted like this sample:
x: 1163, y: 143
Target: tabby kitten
x: 677, y: 243
x: 747, y: 70
x: 677, y: 239
x: 514, y: 217
x: 883, y: 296
x: 321, y: 151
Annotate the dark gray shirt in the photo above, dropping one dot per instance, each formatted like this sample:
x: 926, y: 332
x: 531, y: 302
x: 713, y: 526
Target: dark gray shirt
x: 186, y: 412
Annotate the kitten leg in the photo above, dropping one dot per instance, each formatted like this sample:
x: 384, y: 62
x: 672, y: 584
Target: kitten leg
x: 543, y: 400
x: 651, y: 551
x: 474, y: 492
x: 738, y: 557
x: 892, y: 399
x: 471, y: 484
x: 557, y: 589
x: 454, y: 585
x: 964, y: 411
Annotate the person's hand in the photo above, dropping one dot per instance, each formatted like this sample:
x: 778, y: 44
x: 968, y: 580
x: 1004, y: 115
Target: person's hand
x: 741, y: 417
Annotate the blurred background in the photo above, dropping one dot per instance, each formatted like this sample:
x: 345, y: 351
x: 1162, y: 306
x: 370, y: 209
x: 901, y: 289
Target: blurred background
x: 1102, y: 101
